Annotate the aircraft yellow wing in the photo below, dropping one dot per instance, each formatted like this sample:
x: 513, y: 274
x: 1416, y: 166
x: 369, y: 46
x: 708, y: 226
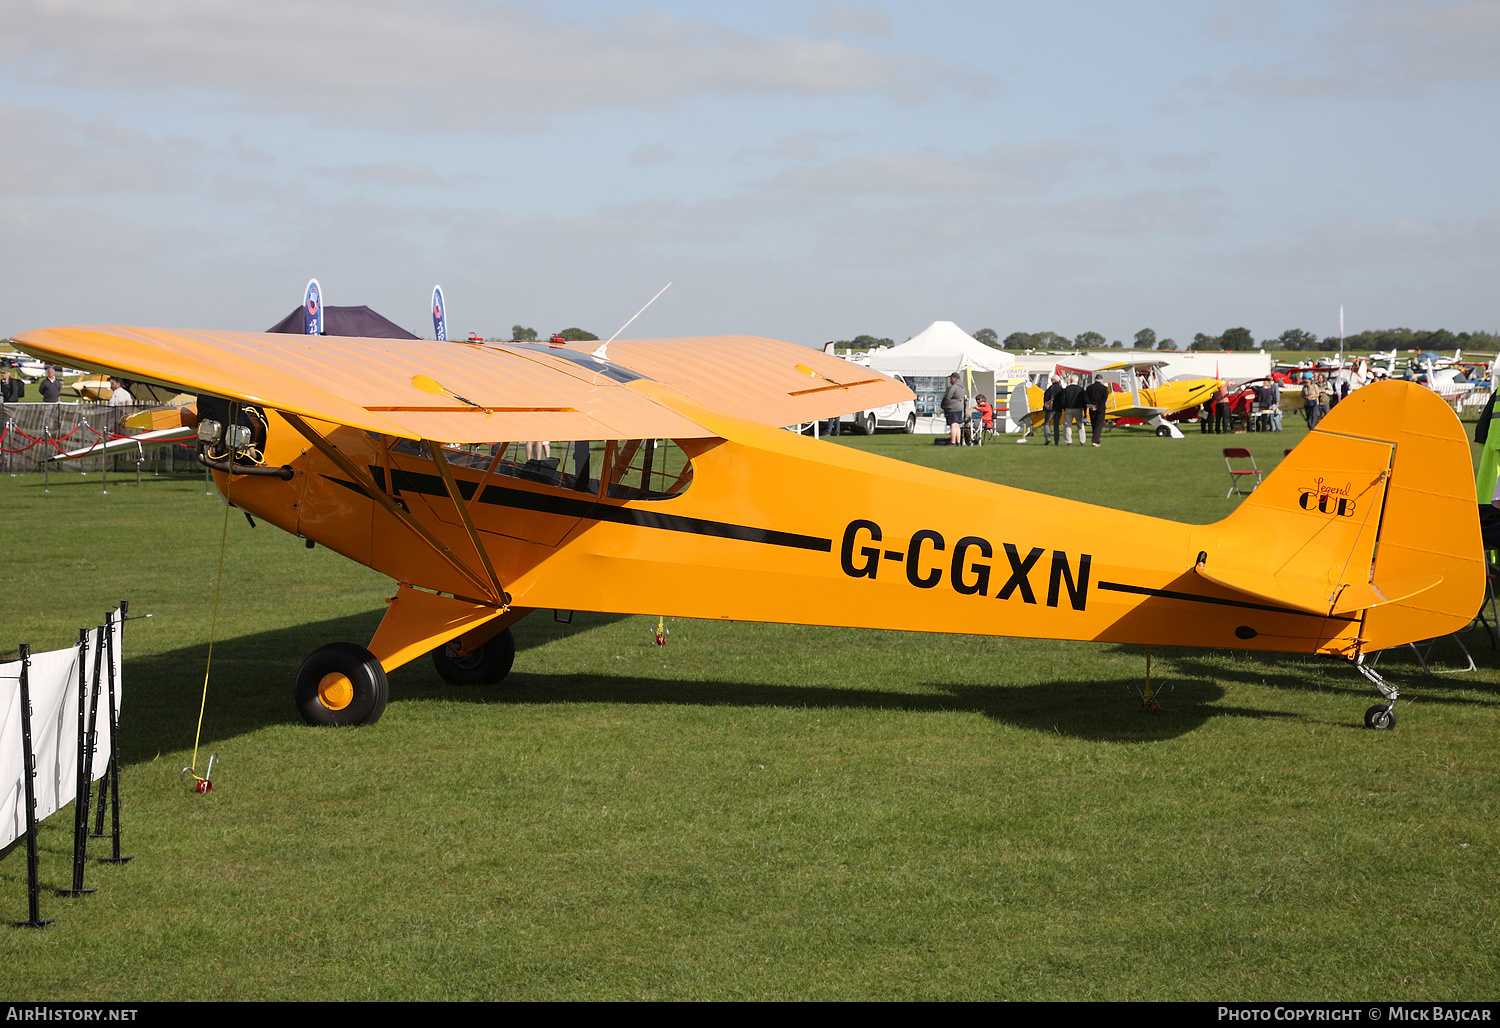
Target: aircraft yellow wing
x: 767, y: 381
x: 461, y: 392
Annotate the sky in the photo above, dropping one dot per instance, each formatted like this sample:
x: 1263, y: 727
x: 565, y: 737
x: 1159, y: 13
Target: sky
x: 805, y: 171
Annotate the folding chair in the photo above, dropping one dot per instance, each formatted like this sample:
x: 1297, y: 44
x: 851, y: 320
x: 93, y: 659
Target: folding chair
x: 1489, y: 613
x: 1236, y: 474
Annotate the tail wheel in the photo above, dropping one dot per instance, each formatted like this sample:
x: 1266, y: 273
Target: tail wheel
x: 486, y: 664
x: 341, y: 684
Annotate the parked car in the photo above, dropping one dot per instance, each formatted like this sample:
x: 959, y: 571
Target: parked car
x: 901, y: 416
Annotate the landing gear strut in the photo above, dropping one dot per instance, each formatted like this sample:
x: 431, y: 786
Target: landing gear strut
x: 1382, y: 716
x: 486, y: 664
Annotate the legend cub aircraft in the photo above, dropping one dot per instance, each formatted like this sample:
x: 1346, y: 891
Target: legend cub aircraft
x: 674, y: 492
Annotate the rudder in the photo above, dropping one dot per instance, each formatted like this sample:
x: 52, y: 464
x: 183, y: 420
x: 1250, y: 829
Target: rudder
x: 1373, y: 512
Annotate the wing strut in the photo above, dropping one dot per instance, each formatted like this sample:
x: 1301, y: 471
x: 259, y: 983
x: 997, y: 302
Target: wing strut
x: 446, y: 471
x: 368, y: 487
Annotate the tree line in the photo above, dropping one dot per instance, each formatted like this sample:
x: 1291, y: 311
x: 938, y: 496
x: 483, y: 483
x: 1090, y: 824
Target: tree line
x: 1230, y: 339
x: 522, y: 334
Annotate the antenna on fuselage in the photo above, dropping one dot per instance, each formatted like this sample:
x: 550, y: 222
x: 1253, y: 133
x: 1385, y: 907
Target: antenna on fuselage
x: 602, y: 353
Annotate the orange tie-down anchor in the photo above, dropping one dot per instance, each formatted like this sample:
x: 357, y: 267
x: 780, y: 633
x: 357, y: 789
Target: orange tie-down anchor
x: 203, y: 783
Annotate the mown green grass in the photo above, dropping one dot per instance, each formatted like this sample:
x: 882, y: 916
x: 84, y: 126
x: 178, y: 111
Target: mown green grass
x: 753, y: 811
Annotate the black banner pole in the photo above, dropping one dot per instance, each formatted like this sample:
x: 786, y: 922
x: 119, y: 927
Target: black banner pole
x: 85, y: 758
x: 116, y: 621
x: 28, y: 772
x: 98, y: 832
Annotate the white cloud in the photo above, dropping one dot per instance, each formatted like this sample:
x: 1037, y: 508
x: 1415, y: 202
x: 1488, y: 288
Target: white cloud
x: 1381, y: 48
x: 48, y: 152
x: 847, y: 19
x: 651, y: 153
x: 803, y: 145
x: 1341, y: 246
x: 1179, y: 163
x: 1006, y: 169
x: 441, y: 65
x: 389, y: 173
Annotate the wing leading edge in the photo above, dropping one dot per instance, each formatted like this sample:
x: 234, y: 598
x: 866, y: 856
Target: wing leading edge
x: 465, y: 392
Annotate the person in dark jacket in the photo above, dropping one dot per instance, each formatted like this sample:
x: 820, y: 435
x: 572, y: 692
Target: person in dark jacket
x: 1097, y: 397
x: 1073, y: 397
x: 50, y: 387
x: 11, y: 387
x: 1052, y: 406
x: 955, y: 408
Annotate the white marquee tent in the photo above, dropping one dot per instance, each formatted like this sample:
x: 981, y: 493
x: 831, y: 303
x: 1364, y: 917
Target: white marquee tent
x: 940, y: 349
x: 927, y: 359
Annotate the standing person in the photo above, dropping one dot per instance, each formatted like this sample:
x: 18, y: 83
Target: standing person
x: 833, y: 425
x: 1272, y: 402
x: 119, y: 397
x: 50, y: 387
x: 1310, y: 401
x: 1052, y: 410
x: 1097, y: 396
x: 1325, y: 397
x: 1269, y: 397
x: 955, y: 409
x: 1073, y: 397
x: 11, y: 389
x: 1218, y: 410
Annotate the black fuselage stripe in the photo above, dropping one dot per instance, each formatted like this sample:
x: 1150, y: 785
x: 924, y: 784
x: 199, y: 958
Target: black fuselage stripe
x: 1170, y: 594
x: 593, y: 510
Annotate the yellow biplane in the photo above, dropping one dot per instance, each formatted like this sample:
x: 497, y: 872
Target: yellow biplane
x: 673, y: 492
x: 1138, y: 393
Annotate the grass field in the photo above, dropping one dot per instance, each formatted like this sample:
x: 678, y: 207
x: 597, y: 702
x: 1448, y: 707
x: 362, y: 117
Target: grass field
x: 752, y: 811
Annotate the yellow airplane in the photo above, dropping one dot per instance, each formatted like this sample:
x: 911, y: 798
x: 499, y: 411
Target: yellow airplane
x: 1137, y: 390
x: 673, y: 492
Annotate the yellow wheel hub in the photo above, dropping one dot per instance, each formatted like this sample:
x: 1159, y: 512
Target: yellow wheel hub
x: 336, y: 691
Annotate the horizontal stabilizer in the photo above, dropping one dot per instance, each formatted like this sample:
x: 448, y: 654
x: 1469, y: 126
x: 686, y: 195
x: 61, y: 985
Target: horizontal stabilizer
x: 1363, y: 595
x: 1315, y: 596
x: 1304, y: 594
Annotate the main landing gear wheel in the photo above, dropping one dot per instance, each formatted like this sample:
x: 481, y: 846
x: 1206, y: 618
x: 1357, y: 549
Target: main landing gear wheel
x: 341, y: 684
x: 1162, y: 431
x: 1381, y: 717
x: 486, y: 664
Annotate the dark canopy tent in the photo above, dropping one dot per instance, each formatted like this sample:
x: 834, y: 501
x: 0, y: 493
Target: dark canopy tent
x: 344, y: 321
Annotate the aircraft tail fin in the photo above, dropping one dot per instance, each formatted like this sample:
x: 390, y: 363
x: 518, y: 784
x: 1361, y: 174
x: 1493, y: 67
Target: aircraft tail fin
x: 1372, y: 515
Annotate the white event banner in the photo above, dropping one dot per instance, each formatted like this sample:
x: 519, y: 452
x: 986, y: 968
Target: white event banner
x: 53, y: 682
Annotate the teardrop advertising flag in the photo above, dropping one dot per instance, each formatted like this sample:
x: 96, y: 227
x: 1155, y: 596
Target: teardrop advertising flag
x: 312, y: 309
x: 439, y: 315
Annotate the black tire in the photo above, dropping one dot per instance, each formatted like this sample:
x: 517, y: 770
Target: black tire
x: 1162, y: 431
x: 486, y: 664
x: 1380, y: 717
x: 911, y: 423
x: 870, y: 423
x: 322, y: 699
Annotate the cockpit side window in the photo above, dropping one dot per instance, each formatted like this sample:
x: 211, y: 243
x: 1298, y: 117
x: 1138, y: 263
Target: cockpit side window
x: 624, y: 469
